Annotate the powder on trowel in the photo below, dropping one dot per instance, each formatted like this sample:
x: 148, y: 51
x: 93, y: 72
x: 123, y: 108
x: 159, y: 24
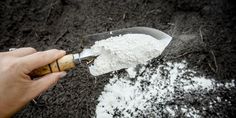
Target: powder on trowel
x: 125, y: 51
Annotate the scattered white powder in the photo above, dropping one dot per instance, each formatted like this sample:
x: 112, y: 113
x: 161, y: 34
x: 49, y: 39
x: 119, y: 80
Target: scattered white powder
x: 132, y: 72
x: 156, y: 92
x: 125, y: 51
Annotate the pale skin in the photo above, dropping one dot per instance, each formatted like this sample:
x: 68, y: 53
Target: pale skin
x: 16, y: 86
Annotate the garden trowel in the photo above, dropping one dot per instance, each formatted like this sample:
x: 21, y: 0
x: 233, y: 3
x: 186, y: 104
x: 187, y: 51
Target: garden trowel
x: 70, y: 61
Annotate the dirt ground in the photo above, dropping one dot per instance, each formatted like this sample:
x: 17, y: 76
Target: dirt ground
x: 204, y: 30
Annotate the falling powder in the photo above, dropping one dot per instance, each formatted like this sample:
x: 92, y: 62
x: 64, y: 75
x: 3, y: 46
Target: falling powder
x: 125, y: 51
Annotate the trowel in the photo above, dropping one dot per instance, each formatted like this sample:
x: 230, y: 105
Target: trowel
x: 70, y: 61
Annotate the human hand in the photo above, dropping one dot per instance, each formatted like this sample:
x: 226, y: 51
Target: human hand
x: 16, y: 86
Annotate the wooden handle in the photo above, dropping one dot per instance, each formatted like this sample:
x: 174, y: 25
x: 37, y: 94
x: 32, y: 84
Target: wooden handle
x: 62, y: 64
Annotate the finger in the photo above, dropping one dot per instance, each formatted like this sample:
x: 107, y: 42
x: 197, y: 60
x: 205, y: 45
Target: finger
x: 22, y: 52
x: 45, y: 82
x: 40, y: 59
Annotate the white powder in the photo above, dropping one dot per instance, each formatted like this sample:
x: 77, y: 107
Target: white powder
x: 152, y: 93
x: 125, y: 51
x: 131, y: 71
x: 160, y: 91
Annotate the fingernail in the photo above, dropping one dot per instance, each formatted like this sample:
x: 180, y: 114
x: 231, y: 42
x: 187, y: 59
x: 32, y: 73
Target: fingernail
x: 63, y: 74
x: 63, y: 51
x: 12, y: 49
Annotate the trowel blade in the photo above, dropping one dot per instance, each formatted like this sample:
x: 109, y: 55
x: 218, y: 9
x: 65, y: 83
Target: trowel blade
x: 157, y: 34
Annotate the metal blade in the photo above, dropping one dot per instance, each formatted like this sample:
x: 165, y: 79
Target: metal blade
x: 159, y: 35
x: 87, y: 55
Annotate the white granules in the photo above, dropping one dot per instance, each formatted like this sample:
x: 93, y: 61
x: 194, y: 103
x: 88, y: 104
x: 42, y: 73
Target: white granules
x: 125, y: 51
x: 165, y: 90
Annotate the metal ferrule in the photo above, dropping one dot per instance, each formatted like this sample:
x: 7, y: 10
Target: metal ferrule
x: 78, y: 59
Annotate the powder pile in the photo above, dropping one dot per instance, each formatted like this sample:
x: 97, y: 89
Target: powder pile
x: 164, y: 90
x: 125, y: 51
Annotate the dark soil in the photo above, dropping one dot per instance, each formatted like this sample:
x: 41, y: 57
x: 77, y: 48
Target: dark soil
x: 204, y: 30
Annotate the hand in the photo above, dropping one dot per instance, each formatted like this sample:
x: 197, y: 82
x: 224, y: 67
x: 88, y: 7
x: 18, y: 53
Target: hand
x: 16, y: 87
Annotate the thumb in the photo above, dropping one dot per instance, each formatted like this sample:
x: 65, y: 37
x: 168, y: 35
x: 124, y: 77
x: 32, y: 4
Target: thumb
x: 47, y: 81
